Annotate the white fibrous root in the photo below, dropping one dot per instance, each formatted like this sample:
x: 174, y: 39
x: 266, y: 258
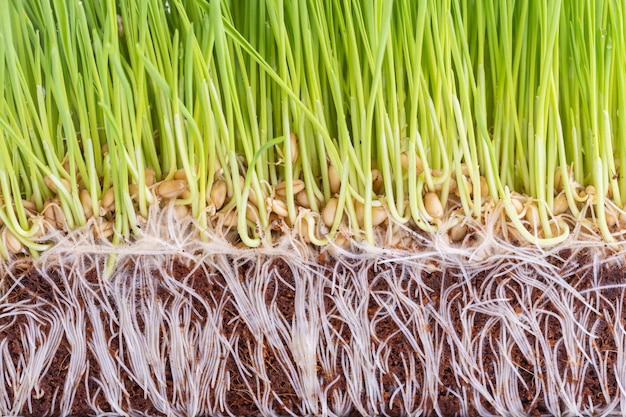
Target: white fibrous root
x: 377, y: 331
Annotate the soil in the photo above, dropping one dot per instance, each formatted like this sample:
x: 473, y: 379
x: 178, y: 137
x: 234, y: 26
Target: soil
x: 444, y: 292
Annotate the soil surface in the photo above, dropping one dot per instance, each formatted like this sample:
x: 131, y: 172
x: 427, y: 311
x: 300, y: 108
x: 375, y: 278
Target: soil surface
x: 420, y: 320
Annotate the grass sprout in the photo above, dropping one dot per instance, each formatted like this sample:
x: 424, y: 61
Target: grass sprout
x: 481, y: 143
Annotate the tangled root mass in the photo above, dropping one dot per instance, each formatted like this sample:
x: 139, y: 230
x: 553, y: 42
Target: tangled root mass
x: 186, y: 327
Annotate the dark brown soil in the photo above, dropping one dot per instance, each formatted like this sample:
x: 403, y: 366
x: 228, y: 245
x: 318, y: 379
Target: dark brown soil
x: 212, y: 291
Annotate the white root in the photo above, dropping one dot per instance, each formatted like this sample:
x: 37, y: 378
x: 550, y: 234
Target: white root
x: 409, y: 314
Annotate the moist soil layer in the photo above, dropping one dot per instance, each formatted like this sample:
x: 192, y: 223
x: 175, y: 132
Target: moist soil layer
x: 403, y: 370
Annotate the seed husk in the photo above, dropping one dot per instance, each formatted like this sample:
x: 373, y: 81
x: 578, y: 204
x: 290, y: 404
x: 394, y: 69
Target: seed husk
x: 438, y: 186
x: 452, y: 186
x: 275, y: 222
x: 464, y: 169
x: 180, y: 174
x: 277, y: 206
x: 252, y: 197
x: 560, y: 204
x: 38, y: 227
x: 341, y: 240
x: 181, y: 211
x: 108, y: 201
x: 458, y: 232
x: 517, y: 205
x: 379, y: 215
x: 468, y: 186
x: 484, y: 187
x: 11, y: 242
x: 302, y: 226
x: 328, y: 214
x: 378, y: 184
x: 53, y: 187
x: 303, y: 199
x: 104, y: 230
x: 229, y: 219
x: 150, y: 176
x: 218, y: 194
x: 252, y: 214
x: 80, y: 182
x: 53, y: 213
x: 85, y: 200
x: 29, y: 205
x: 404, y: 160
x: 294, y: 147
x: 611, y: 220
x: 281, y: 188
x: 360, y: 212
x: 171, y: 189
x: 554, y: 228
x: 532, y: 215
x: 590, y: 192
x: 133, y: 190
x: 433, y: 205
x: 66, y: 164
x: 334, y: 180
x: 558, y: 181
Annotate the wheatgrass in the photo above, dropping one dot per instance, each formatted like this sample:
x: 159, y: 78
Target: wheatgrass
x: 401, y: 139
